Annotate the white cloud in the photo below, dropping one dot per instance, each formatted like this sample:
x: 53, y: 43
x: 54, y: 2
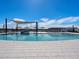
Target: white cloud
x: 58, y: 22
x: 1, y: 25
x: 67, y: 19
x: 74, y: 19
x: 47, y: 22
x: 44, y: 19
x: 50, y: 22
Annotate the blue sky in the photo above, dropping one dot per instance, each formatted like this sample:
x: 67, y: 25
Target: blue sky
x: 36, y: 9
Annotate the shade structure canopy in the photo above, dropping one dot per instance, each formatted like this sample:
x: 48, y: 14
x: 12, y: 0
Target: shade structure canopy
x: 19, y: 22
x: 23, y: 22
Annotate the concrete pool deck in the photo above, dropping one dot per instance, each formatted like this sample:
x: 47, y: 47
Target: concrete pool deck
x: 39, y: 49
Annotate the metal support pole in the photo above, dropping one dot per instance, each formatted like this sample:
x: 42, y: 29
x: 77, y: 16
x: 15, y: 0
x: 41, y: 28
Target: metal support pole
x: 6, y: 25
x: 73, y: 28
x: 36, y: 28
x: 16, y: 27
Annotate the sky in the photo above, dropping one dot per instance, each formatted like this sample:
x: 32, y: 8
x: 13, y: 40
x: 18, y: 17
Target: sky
x: 50, y: 12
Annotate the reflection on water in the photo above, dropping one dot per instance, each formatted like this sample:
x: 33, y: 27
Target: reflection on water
x: 3, y: 37
x: 40, y: 37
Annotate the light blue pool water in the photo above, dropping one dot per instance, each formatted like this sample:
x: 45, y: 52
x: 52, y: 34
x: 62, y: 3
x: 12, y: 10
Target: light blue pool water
x: 40, y: 37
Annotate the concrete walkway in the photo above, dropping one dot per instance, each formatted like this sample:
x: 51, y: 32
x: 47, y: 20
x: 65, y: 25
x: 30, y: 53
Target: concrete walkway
x: 39, y: 49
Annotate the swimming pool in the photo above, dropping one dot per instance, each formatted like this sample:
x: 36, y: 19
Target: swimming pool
x: 40, y: 37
